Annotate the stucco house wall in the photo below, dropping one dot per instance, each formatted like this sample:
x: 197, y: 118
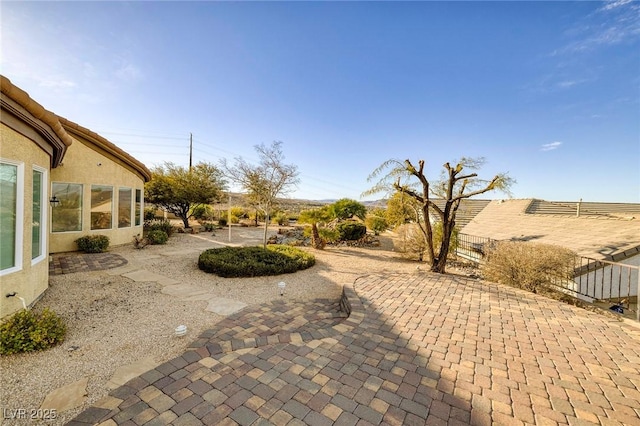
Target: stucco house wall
x: 30, y: 280
x: 33, y: 142
x: 89, y: 163
x: 39, y: 146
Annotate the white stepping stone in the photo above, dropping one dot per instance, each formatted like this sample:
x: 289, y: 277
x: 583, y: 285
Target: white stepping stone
x: 127, y: 372
x: 222, y: 306
x: 67, y: 397
x: 186, y: 291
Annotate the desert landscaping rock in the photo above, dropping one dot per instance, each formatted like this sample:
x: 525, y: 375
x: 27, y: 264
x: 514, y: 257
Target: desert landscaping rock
x: 147, y: 276
x: 223, y: 306
x: 66, y: 397
x: 127, y: 372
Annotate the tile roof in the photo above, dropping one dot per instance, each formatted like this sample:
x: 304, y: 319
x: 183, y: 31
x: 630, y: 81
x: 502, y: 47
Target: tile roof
x: 611, y: 235
x: 468, y: 209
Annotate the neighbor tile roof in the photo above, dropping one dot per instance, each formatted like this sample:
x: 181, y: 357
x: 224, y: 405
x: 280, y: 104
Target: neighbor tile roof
x: 599, y: 236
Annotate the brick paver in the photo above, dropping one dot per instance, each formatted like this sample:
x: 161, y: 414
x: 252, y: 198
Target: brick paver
x: 415, y: 349
x: 84, y: 262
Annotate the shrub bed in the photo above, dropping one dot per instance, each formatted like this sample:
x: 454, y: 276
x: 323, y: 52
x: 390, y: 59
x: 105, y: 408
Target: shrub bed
x: 351, y: 231
x: 157, y: 236
x: 530, y: 266
x: 27, y: 331
x: 276, y: 259
x: 93, y: 243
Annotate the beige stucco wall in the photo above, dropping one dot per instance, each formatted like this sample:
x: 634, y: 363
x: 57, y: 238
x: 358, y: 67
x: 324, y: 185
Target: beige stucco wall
x: 86, y: 164
x: 31, y: 280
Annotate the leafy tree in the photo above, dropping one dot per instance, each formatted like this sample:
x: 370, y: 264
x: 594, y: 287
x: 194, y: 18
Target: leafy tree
x: 402, y: 209
x: 453, y: 186
x: 346, y: 208
x: 313, y: 217
x: 180, y: 191
x: 263, y: 182
x: 376, y: 222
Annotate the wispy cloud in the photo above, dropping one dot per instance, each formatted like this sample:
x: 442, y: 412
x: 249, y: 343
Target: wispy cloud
x: 616, y: 22
x: 550, y: 146
x: 128, y: 72
x: 57, y: 83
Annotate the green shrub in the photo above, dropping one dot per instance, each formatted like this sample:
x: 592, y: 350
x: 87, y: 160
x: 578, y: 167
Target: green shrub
x: 254, y: 261
x: 208, y: 226
x: 27, y: 331
x: 202, y: 212
x: 526, y: 265
x: 281, y: 219
x: 377, y: 224
x: 160, y: 225
x: 149, y: 214
x: 157, y: 236
x: 222, y: 222
x: 93, y: 243
x: 351, y: 231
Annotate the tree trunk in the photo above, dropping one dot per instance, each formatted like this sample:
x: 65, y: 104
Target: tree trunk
x: 316, y: 241
x: 266, y: 227
x: 185, y: 221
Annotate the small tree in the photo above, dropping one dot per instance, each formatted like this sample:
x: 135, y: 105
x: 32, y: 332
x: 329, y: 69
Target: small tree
x: 313, y: 217
x: 263, y: 182
x: 180, y: 191
x: 346, y: 208
x: 452, y: 187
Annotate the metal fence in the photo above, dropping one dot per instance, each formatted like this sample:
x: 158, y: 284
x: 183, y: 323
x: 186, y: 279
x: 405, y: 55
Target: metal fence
x: 607, y: 284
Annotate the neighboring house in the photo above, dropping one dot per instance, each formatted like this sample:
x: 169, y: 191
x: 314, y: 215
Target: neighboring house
x: 43, y: 158
x: 601, y: 231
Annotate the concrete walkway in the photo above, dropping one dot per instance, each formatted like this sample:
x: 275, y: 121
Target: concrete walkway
x: 416, y: 349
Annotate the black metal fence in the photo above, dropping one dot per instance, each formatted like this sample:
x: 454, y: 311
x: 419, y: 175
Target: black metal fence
x: 608, y: 284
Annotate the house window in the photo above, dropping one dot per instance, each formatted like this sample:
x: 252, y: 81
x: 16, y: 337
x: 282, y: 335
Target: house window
x: 67, y: 215
x: 11, y: 216
x: 38, y: 218
x: 124, y: 207
x: 101, y: 206
x: 138, y: 206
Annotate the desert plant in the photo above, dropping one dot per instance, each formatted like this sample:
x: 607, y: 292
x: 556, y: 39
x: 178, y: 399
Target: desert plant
x: 281, y: 219
x: 93, y: 243
x: 139, y: 241
x: 377, y: 224
x: 351, y: 231
x: 160, y: 225
x: 157, y: 236
x: 202, y: 212
x: 222, y: 222
x: 411, y: 243
x: 208, y: 226
x: 527, y: 265
x: 149, y: 214
x: 254, y: 261
x: 27, y: 331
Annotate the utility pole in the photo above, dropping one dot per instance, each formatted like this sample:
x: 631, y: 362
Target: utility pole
x: 190, y: 150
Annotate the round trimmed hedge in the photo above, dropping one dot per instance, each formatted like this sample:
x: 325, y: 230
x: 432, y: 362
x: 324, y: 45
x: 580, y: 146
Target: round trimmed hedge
x: 229, y: 262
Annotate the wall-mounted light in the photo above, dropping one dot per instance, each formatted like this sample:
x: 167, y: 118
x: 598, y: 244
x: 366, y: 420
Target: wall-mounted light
x: 54, y: 201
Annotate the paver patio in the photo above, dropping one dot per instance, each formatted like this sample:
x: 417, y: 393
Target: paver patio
x: 416, y: 349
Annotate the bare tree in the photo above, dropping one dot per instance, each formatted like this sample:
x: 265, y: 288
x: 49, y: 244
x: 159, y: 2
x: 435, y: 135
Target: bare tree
x: 453, y: 186
x: 266, y: 181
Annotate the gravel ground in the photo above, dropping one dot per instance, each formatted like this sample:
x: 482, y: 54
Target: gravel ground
x: 114, y: 321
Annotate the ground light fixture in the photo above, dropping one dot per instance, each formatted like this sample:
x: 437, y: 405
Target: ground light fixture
x: 281, y: 286
x: 181, y: 330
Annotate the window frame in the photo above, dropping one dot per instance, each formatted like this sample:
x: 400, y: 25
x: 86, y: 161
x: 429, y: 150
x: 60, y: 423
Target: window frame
x: 44, y: 215
x: 80, y: 207
x: 138, y: 207
x: 131, y: 208
x: 19, y: 224
x: 111, y: 215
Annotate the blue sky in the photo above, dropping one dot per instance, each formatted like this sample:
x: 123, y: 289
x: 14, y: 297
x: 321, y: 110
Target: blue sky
x: 547, y: 91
